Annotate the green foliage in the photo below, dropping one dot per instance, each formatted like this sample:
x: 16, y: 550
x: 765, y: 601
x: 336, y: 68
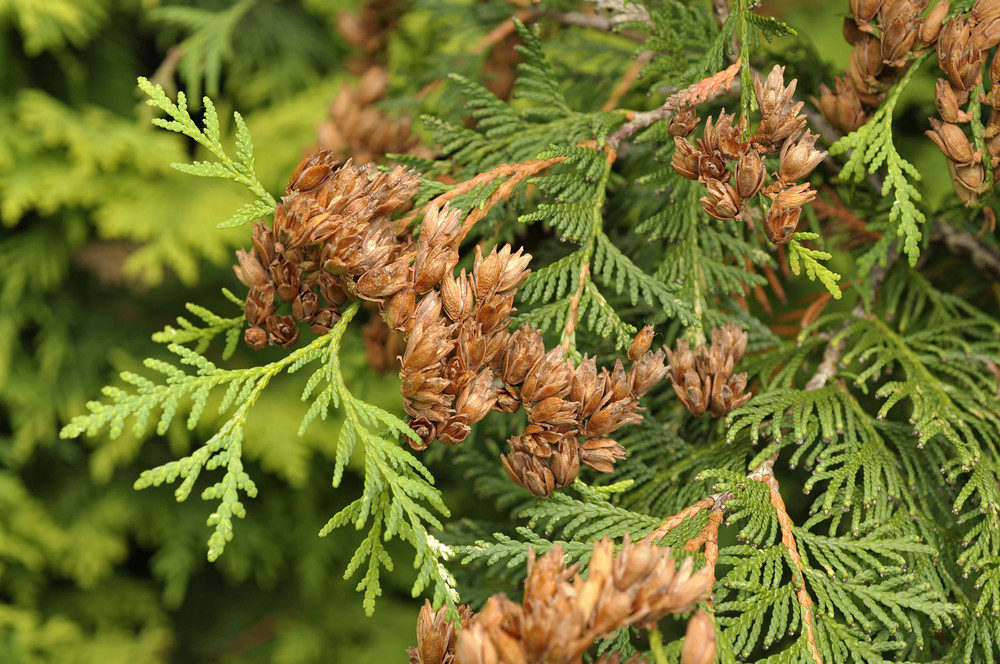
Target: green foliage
x: 241, y: 170
x: 872, y: 148
x: 896, y: 454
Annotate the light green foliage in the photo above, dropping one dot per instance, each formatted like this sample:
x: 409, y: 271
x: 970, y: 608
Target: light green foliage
x: 872, y: 148
x: 398, y: 501
x: 241, y: 170
x: 800, y: 256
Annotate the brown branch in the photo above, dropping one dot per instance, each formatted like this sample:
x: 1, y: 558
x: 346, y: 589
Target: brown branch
x: 965, y: 244
x: 703, y: 90
x: 681, y: 517
x: 765, y: 473
x: 515, y: 174
x: 574, y: 304
x: 502, y: 31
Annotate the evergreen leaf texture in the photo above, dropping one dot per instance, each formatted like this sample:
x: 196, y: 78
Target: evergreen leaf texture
x: 653, y: 275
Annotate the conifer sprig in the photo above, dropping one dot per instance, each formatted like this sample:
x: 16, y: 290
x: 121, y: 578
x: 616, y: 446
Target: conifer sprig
x: 872, y: 148
x: 399, y: 498
x: 239, y: 169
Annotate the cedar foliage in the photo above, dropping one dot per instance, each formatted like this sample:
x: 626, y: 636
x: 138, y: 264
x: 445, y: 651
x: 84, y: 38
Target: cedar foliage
x: 875, y: 389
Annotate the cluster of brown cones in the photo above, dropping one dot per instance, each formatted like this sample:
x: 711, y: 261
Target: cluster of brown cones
x: 567, y: 403
x: 562, y: 614
x: 962, y: 50
x: 703, y: 378
x: 885, y: 34
x: 357, y: 128
x: 724, y: 143
x: 333, y: 239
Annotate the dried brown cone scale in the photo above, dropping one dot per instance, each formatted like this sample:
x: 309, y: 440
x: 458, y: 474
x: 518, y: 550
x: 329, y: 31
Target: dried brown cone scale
x: 703, y: 377
x: 562, y: 613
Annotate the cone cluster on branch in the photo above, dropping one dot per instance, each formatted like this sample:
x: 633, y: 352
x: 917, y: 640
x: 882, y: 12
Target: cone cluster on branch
x: 883, y: 34
x: 333, y: 239
x: 703, y: 378
x: 358, y: 128
x: 962, y: 50
x: 725, y: 144
x: 562, y: 614
x: 567, y: 403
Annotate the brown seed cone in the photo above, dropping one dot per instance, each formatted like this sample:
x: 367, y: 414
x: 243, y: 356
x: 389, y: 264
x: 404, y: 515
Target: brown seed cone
x: 842, y: 108
x: 780, y: 117
x: 255, y: 337
x: 722, y: 137
x: 951, y: 140
x: 750, y: 174
x: 436, y: 635
x: 550, y: 377
x: 930, y: 29
x: 900, y: 22
x: 799, y: 157
x: 865, y: 10
x: 281, y: 330
x: 699, y: 640
x: 703, y: 378
x: 684, y: 122
x: 686, y: 159
x: 946, y: 102
x: 722, y: 201
x: 358, y: 128
x: 958, y: 58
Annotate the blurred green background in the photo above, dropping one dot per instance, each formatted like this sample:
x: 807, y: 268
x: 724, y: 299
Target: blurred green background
x: 102, y: 243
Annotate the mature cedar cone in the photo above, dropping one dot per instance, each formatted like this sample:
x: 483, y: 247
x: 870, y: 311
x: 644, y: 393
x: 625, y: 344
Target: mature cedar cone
x: 699, y: 640
x: 562, y: 614
x: 780, y: 115
x: 703, y: 378
x: 436, y: 635
x: 358, y: 128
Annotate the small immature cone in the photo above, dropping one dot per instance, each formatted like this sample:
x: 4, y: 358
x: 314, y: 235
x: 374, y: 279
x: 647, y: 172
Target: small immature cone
x: 641, y: 343
x: 699, y: 640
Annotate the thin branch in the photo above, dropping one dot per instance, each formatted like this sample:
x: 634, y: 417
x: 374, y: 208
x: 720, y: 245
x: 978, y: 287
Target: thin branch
x: 697, y: 93
x: 765, y: 473
x: 965, y: 244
